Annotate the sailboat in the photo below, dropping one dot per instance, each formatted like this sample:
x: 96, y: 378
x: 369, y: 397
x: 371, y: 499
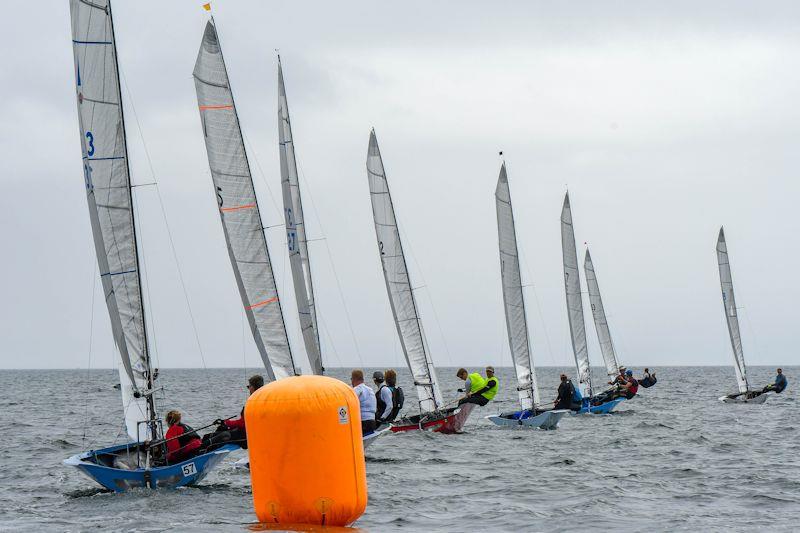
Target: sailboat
x: 297, y: 242
x: 109, y: 194
x: 531, y: 415
x: 433, y: 414
x: 745, y: 394
x: 238, y: 208
x: 577, y: 327
x: 600, y: 322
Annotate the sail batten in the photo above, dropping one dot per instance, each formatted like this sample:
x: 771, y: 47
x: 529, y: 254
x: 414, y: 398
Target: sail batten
x: 398, y: 283
x: 572, y: 290
x: 238, y: 208
x: 513, y: 297
x: 731, y: 315
x: 599, y: 315
x: 108, y: 192
x: 296, y: 239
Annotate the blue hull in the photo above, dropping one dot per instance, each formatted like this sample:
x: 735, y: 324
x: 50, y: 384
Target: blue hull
x: 602, y: 409
x: 107, y: 467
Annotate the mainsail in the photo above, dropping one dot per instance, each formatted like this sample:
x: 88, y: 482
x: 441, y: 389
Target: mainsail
x: 513, y: 297
x: 296, y: 233
x: 572, y: 287
x: 238, y: 207
x: 729, y: 305
x: 398, y: 284
x: 108, y: 191
x: 599, y: 314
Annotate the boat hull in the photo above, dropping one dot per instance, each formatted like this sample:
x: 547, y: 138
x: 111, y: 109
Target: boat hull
x: 104, y: 467
x: 370, y: 438
x: 521, y: 419
x: 447, y: 421
x: 761, y: 398
x: 602, y: 409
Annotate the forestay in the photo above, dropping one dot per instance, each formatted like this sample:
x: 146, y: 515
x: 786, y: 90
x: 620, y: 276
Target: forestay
x: 599, y: 315
x: 398, y: 284
x: 729, y: 305
x: 296, y: 233
x: 238, y: 207
x: 108, y: 191
x: 572, y: 287
x: 513, y: 297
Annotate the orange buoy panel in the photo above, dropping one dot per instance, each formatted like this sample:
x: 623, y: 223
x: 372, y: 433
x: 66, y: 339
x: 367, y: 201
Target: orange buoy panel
x: 306, y: 456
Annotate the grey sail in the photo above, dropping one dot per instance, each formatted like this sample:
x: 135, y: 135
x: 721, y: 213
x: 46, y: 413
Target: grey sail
x: 296, y: 233
x: 513, y: 297
x: 731, y: 316
x: 599, y: 315
x: 238, y: 208
x: 572, y: 288
x: 108, y: 191
x: 398, y: 284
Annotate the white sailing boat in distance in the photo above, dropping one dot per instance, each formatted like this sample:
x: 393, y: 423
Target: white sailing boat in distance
x: 297, y: 241
x: 433, y: 413
x: 140, y: 462
x: 531, y: 415
x: 577, y: 326
x: 745, y: 394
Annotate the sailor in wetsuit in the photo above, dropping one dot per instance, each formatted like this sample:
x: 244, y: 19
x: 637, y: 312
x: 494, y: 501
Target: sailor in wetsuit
x: 630, y: 387
x: 232, y: 430
x: 648, y: 379
x: 566, y: 395
x: 779, y: 385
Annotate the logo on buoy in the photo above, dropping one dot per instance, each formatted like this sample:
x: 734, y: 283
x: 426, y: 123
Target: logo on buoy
x: 343, y: 418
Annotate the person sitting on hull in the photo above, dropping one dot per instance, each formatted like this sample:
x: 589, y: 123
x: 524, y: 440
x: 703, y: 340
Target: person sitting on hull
x: 779, y: 385
x: 630, y: 387
x: 566, y: 395
x: 366, y: 400
x: 389, y: 396
x: 182, y: 441
x: 619, y: 379
x: 481, y: 391
x: 232, y: 430
x: 648, y: 379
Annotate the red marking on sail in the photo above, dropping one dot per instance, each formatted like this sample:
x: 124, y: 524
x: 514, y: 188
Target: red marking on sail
x: 204, y: 107
x: 237, y: 207
x: 261, y: 304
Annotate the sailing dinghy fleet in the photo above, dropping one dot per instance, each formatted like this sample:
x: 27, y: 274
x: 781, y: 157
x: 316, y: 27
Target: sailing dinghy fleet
x: 141, y: 462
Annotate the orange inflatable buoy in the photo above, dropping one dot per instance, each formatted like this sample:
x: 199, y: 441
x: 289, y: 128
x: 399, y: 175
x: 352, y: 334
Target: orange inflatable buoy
x: 306, y: 457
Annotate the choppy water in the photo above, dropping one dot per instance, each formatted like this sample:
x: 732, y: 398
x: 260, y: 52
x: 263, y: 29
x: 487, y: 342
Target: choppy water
x: 674, y: 458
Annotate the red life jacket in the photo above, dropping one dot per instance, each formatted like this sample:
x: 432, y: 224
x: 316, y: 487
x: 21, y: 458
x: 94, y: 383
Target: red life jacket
x: 634, y: 388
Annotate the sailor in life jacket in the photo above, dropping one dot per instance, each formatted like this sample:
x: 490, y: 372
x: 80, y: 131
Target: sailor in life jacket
x: 182, y: 441
x: 389, y: 396
x: 479, y: 391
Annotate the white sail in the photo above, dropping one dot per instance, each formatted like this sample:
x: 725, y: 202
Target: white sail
x: 513, y: 297
x: 731, y: 317
x: 238, y: 208
x: 108, y: 191
x: 572, y: 288
x: 599, y: 315
x: 398, y: 284
x: 296, y: 233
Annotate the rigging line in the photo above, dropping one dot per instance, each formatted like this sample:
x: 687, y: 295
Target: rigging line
x: 315, y: 212
x: 254, y: 154
x: 91, y: 337
x: 538, y: 307
x: 146, y: 283
x: 166, y: 225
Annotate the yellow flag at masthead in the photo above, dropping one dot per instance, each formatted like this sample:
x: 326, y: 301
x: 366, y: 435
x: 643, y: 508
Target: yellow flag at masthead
x: 207, y: 6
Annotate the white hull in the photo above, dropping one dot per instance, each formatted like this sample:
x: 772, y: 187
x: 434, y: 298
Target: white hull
x: 546, y: 420
x: 761, y: 398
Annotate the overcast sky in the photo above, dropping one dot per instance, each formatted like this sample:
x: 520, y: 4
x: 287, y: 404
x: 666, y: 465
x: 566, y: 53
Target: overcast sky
x: 664, y: 119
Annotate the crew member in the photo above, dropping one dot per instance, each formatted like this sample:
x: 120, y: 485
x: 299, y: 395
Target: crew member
x: 648, y: 379
x: 182, y: 441
x: 232, y: 430
x: 366, y: 401
x: 780, y: 383
x: 383, y: 396
x: 398, y: 397
x: 566, y: 394
x: 472, y: 384
x: 631, y: 385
